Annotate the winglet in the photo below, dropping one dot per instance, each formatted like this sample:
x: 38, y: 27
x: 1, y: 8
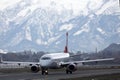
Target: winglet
x: 66, y: 47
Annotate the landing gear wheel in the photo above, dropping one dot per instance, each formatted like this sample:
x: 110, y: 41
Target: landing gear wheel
x: 67, y: 72
x: 42, y: 72
x: 70, y: 72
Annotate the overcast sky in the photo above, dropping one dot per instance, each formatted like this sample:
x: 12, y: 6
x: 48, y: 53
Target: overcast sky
x: 5, y: 3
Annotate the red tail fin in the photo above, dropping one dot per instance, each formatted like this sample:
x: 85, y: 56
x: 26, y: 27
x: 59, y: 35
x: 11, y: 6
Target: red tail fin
x: 66, y: 47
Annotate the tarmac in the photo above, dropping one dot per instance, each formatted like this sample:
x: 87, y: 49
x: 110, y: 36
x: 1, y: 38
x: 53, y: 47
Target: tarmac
x: 56, y: 75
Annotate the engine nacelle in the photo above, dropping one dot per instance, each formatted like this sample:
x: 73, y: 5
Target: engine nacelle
x: 72, y: 67
x: 35, y: 68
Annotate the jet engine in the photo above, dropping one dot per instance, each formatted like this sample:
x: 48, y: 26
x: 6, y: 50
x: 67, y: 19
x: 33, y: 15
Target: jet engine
x: 35, y: 68
x: 72, y: 67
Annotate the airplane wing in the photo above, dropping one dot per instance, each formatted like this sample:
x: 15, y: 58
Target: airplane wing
x: 16, y: 62
x: 87, y: 61
x: 19, y: 63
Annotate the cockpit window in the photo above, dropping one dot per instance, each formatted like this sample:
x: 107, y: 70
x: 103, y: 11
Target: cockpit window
x: 46, y: 58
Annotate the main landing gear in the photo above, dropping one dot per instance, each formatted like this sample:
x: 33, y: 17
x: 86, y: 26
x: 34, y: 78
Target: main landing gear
x: 68, y: 72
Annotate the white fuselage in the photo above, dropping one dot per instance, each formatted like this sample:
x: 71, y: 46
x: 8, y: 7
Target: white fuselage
x: 53, y: 60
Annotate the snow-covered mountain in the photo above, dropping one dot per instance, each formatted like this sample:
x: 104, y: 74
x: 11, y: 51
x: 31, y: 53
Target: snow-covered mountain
x: 41, y: 25
x: 113, y: 48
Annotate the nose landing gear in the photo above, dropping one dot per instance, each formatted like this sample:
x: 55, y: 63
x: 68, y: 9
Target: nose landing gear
x: 44, y: 72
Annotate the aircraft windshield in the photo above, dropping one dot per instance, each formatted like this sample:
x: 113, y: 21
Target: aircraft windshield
x: 45, y: 58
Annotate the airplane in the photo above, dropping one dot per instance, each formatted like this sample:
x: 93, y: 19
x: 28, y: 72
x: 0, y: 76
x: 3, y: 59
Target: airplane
x: 57, y: 61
